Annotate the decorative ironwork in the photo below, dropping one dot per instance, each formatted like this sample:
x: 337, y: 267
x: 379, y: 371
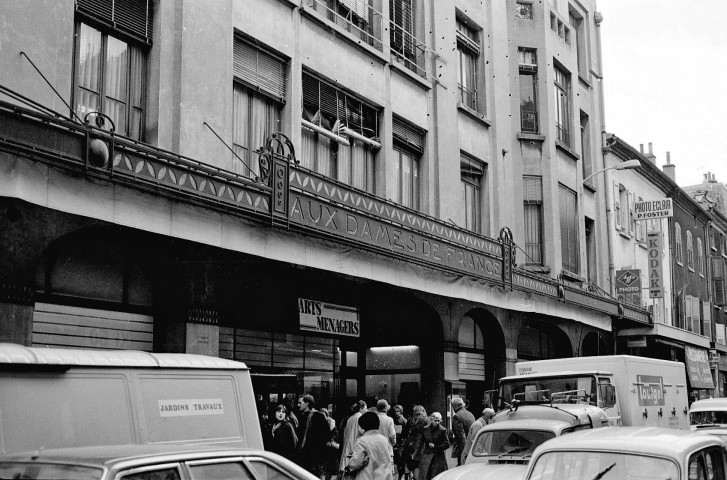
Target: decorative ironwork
x: 508, y: 256
x: 274, y: 160
x: 276, y: 145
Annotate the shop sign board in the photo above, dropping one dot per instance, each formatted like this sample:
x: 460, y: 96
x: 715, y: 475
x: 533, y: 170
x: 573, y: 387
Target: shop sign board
x: 653, y: 249
x: 636, y: 342
x: 321, y: 317
x: 653, y: 209
x: 628, y: 286
x: 700, y: 375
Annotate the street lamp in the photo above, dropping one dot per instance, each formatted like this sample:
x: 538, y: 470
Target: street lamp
x: 627, y: 165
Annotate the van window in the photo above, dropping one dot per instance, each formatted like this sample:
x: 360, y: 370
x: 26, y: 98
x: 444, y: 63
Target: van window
x: 170, y: 473
x: 220, y: 471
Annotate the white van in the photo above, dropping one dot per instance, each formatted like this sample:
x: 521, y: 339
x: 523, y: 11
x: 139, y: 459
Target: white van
x: 69, y: 398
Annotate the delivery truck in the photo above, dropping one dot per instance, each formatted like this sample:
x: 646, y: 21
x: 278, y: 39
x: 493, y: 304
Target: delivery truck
x: 72, y: 398
x: 632, y: 391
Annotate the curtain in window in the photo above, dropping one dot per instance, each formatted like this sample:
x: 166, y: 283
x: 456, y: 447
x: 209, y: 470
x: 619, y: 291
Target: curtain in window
x: 568, y: 230
x: 87, y: 77
x: 533, y: 210
x: 308, y: 148
x: 137, y: 65
x: 240, y: 127
x: 355, y: 165
x: 116, y: 87
x: 471, y: 202
x: 409, y: 181
x: 255, y: 117
x: 325, y: 161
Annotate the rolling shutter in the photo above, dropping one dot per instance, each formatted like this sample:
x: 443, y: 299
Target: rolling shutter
x: 408, y: 135
x: 133, y: 17
x: 259, y: 69
x: 76, y: 327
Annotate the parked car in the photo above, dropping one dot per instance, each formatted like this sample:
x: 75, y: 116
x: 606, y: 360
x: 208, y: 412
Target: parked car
x: 150, y: 462
x: 502, y: 449
x: 708, y: 413
x: 630, y: 453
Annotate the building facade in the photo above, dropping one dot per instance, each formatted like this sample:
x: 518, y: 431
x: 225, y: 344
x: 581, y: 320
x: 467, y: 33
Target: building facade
x: 356, y: 198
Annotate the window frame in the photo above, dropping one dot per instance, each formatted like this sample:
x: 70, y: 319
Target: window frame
x: 678, y: 244
x: 690, y: 251
x: 468, y: 45
x: 538, y: 215
x: 562, y: 83
x: 472, y: 175
x: 574, y: 251
x: 102, y: 75
x: 530, y: 71
x: 700, y: 257
x: 414, y: 201
x: 528, y: 6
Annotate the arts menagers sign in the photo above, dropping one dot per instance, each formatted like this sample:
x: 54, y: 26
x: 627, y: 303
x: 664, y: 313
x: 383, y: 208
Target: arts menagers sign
x: 320, y: 317
x: 652, y: 209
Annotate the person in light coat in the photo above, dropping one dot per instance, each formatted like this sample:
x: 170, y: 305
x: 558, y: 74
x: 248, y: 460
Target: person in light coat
x: 371, y: 458
x: 351, y: 433
x: 432, y: 460
x: 485, y: 419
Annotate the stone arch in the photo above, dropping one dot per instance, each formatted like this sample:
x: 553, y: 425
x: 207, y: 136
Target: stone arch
x: 538, y: 340
x: 594, y: 344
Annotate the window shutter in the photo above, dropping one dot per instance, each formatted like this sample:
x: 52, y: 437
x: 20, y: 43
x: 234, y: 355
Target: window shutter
x: 408, y: 135
x: 532, y: 190
x: 617, y: 206
x: 718, y: 276
x: 133, y: 17
x: 707, y: 320
x: 259, y: 69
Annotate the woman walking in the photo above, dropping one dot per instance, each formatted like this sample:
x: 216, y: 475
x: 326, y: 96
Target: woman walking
x: 284, y: 440
x: 434, y: 443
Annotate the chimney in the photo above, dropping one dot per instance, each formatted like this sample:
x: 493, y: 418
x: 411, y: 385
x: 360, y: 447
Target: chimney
x: 650, y: 155
x: 669, y: 168
x: 641, y: 148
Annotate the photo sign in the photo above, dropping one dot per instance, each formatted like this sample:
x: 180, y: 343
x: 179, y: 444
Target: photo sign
x: 628, y: 286
x: 320, y: 317
x: 652, y: 209
x: 653, y: 249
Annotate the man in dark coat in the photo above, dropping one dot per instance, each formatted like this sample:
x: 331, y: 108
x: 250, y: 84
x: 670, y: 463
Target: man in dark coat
x: 314, y: 434
x: 461, y: 423
x: 432, y: 460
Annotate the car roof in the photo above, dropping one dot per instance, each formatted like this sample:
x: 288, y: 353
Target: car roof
x: 646, y: 440
x: 19, y: 355
x: 709, y: 405
x: 108, y: 455
x: 527, y: 424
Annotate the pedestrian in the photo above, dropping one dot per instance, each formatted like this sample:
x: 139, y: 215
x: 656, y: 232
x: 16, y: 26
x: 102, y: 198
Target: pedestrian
x: 371, y: 458
x: 313, y: 437
x: 461, y: 423
x: 412, y: 442
x: 485, y: 419
x: 284, y: 439
x: 333, y: 448
x: 386, y: 423
x: 400, y: 422
x: 351, y: 433
x: 432, y: 459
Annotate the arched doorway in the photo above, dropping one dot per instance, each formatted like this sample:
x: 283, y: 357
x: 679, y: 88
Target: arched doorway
x: 593, y: 345
x: 538, y: 341
x: 481, y: 357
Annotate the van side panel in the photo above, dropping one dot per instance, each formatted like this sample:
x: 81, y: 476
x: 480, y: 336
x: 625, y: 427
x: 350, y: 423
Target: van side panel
x: 183, y: 408
x: 51, y: 410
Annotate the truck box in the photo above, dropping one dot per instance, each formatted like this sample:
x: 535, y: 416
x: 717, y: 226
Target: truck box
x: 648, y: 392
x: 67, y: 398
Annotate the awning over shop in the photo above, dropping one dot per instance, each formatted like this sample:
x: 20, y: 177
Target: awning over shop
x: 698, y: 370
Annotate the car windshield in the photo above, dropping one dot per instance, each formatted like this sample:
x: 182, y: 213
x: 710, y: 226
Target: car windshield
x: 555, y: 390
x: 710, y: 418
x: 509, y: 442
x: 602, y: 466
x: 48, y: 471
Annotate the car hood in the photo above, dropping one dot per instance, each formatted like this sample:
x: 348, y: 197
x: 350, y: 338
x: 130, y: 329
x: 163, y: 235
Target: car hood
x: 484, y: 471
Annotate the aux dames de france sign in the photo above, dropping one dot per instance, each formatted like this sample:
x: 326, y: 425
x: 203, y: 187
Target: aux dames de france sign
x: 342, y: 222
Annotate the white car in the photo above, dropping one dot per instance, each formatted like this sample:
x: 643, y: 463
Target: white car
x: 708, y: 413
x: 503, y: 449
x: 630, y: 453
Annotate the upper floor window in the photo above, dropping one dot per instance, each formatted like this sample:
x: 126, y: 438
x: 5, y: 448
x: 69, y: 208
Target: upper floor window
x: 468, y: 52
x: 110, y: 79
x: 340, y: 134
x: 562, y: 106
x: 111, y: 43
x: 569, y: 229
x: 533, y: 210
x: 586, y: 146
x: 524, y: 10
x: 623, y: 212
x: 700, y: 257
x: 408, y: 149
x: 405, y: 46
x: 690, y: 251
x: 360, y: 17
x: 473, y: 173
x: 640, y: 236
x: 679, y: 253
x: 257, y: 102
x: 577, y: 21
x: 528, y: 78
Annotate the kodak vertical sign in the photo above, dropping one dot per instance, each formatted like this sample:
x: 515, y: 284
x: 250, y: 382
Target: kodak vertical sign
x: 656, y: 275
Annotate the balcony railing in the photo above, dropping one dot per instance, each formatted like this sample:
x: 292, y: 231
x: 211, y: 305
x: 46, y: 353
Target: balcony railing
x: 407, y: 49
x: 356, y: 16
